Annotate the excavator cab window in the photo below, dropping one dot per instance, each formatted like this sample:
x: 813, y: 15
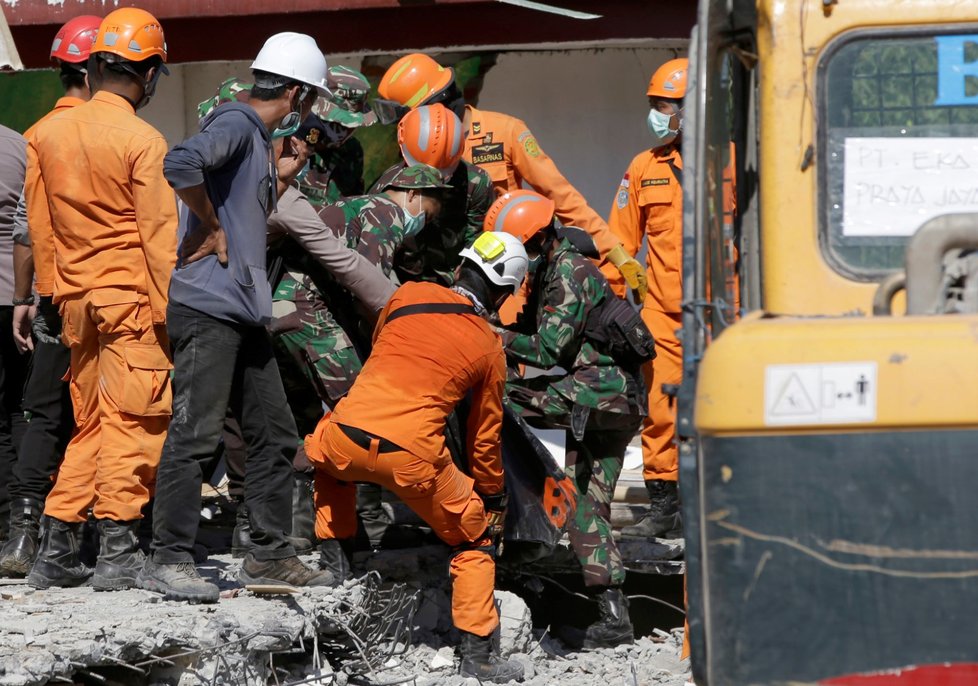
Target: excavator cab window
x: 898, y: 142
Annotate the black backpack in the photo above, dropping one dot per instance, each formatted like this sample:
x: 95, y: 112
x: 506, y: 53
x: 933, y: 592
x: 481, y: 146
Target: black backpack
x: 616, y: 329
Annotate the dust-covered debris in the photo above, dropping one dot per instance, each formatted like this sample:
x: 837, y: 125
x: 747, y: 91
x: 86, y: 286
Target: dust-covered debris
x: 135, y: 637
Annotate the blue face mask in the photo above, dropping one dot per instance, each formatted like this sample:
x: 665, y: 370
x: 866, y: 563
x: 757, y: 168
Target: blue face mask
x: 534, y: 264
x: 658, y: 123
x: 413, y: 223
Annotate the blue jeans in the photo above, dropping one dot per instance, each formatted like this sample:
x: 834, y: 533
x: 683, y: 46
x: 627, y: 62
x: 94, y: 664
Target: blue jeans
x: 218, y: 364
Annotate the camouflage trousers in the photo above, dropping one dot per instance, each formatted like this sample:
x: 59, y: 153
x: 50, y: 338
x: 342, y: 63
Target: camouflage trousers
x: 317, y: 358
x: 594, y: 462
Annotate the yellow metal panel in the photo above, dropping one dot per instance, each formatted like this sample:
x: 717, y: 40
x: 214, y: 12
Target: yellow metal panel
x: 927, y: 369
x: 792, y: 34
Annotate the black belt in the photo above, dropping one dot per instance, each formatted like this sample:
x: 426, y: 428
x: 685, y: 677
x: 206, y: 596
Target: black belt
x: 364, y: 439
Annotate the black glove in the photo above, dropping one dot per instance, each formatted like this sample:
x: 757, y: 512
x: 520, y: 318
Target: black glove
x: 495, y: 506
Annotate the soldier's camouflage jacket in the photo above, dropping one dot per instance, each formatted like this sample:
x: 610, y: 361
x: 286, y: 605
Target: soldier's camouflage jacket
x: 550, y: 333
x: 335, y: 175
x: 330, y: 339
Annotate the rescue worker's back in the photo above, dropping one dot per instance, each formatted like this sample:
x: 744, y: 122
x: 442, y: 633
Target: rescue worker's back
x: 421, y: 366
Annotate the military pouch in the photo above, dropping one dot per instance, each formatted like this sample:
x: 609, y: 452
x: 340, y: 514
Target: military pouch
x: 578, y: 421
x: 615, y: 328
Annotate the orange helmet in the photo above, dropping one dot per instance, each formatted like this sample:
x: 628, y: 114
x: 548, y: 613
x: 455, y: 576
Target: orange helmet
x: 669, y: 80
x: 413, y: 79
x: 74, y: 40
x: 520, y: 213
x: 431, y: 135
x: 132, y: 34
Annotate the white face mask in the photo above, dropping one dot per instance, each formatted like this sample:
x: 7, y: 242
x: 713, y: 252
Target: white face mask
x: 413, y: 223
x: 658, y: 123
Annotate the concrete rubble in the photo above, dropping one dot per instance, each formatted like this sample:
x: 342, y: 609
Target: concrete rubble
x: 134, y: 637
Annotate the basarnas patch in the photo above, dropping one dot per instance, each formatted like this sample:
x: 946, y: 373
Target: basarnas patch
x: 485, y: 154
x: 655, y: 182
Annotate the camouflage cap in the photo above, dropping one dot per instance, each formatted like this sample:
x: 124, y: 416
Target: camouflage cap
x: 347, y: 102
x: 232, y: 90
x: 416, y: 176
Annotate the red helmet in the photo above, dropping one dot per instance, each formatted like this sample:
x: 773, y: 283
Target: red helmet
x: 520, y: 213
x: 74, y: 40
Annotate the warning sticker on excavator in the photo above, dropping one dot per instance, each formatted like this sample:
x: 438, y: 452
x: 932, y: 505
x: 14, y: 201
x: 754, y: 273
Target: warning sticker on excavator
x: 829, y: 393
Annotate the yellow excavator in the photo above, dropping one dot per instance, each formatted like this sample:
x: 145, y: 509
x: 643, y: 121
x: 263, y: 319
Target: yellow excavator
x: 828, y: 415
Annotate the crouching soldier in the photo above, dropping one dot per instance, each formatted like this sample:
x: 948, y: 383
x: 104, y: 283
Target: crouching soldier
x: 574, y: 321
x: 318, y: 330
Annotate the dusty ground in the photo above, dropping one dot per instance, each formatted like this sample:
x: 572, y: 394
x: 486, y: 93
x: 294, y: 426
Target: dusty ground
x: 133, y: 637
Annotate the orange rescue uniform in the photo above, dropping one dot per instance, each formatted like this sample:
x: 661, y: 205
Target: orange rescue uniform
x: 33, y: 172
x: 505, y: 148
x: 420, y: 367
x: 649, y: 204
x: 103, y: 223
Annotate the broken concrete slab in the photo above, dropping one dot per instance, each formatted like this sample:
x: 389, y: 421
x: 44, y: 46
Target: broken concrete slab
x: 134, y: 637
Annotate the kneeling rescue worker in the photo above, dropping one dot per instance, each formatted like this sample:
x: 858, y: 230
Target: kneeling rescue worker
x: 432, y: 346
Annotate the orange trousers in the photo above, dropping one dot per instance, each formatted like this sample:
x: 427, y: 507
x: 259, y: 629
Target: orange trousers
x: 660, y: 455
x: 120, y: 390
x: 439, y: 493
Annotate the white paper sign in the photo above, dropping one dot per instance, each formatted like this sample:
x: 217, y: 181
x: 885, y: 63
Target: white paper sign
x: 829, y: 393
x: 893, y: 185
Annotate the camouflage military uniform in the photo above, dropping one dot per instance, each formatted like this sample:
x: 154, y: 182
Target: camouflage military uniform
x: 432, y: 255
x: 317, y: 328
x: 334, y: 175
x: 599, y: 401
x: 337, y: 171
x: 231, y: 90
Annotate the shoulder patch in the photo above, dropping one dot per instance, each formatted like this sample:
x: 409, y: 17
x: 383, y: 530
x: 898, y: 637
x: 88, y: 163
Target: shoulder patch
x: 622, y: 200
x: 625, y: 181
x: 655, y: 182
x: 530, y: 145
x: 476, y: 127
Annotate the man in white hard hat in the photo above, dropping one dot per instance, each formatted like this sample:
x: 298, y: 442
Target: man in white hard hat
x: 220, y: 302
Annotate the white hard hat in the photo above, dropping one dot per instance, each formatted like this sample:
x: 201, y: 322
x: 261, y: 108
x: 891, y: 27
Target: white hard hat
x: 296, y: 57
x: 500, y: 256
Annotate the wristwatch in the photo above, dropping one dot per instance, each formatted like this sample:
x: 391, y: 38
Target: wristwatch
x: 29, y: 300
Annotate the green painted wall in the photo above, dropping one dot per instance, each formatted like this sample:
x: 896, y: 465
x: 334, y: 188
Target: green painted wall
x: 27, y: 96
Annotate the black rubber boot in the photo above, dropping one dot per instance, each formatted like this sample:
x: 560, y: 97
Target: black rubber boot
x: 334, y: 557
x: 663, y: 519
x: 20, y: 549
x: 57, y: 562
x: 241, y: 536
x: 119, y: 558
x: 370, y: 510
x: 614, y: 627
x: 480, y: 659
x: 303, y: 508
